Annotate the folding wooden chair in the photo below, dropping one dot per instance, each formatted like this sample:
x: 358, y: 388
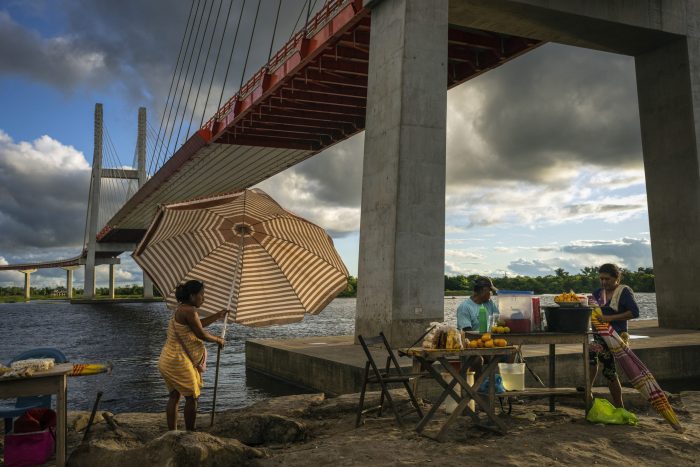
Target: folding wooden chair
x: 384, y: 376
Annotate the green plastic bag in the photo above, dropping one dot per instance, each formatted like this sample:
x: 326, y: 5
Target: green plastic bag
x: 603, y: 411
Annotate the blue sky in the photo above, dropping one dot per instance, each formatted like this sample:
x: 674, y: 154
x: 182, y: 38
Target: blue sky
x: 544, y: 154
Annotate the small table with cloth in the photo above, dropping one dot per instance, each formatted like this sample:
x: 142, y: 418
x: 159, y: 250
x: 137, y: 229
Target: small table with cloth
x: 52, y: 381
x: 459, y: 389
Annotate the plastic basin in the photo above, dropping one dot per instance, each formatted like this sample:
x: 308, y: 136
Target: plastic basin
x: 568, y: 319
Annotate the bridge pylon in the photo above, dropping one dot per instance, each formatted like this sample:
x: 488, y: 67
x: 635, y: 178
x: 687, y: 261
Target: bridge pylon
x: 92, y: 226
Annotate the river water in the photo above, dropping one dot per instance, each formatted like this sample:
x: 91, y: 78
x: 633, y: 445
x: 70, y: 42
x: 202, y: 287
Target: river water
x: 131, y: 336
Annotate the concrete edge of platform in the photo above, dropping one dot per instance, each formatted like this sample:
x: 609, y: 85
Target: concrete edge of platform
x: 339, y: 369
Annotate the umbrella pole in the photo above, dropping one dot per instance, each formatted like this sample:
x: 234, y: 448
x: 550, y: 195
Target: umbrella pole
x: 216, y: 377
x: 236, y: 275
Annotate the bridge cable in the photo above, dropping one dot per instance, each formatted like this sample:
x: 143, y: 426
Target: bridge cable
x: 274, y: 30
x: 162, y: 117
x: 250, y: 44
x: 194, y: 73
x: 230, y: 59
x: 204, y: 69
x: 151, y: 145
x: 168, y: 124
x: 216, y: 63
x: 116, y: 163
x: 167, y: 154
x: 87, y: 216
x: 301, y: 12
x: 118, y: 186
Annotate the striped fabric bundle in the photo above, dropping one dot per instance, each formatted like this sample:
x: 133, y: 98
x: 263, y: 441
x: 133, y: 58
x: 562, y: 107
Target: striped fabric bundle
x: 635, y: 370
x: 273, y: 265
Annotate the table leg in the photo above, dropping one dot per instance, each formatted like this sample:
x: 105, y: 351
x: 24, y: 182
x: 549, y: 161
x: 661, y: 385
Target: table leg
x: 486, y: 405
x: 492, y: 389
x: 61, y: 422
x: 448, y: 391
x: 586, y: 375
x: 552, y: 370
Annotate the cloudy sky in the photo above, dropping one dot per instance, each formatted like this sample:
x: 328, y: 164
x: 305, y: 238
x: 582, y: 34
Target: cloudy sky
x: 544, y: 157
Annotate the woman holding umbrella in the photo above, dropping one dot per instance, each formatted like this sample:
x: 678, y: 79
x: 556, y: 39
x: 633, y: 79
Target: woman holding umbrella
x: 618, y: 306
x: 184, y: 356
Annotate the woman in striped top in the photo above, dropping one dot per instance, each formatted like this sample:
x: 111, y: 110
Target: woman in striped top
x: 183, y: 358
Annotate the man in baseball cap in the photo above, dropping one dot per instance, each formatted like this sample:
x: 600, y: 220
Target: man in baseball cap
x: 482, y: 282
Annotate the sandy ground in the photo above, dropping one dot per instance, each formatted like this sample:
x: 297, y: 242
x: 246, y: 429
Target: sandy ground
x: 535, y: 437
x: 562, y: 437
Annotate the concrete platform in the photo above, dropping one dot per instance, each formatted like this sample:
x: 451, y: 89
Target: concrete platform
x: 335, y: 365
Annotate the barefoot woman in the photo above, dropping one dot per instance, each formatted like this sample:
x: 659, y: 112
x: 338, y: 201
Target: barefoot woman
x: 184, y: 356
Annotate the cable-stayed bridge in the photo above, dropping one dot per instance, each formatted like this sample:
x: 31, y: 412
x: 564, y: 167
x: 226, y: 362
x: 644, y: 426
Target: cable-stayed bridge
x: 311, y: 94
x: 384, y: 66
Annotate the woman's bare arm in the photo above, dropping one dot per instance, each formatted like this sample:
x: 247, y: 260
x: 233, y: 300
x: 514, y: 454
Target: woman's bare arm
x: 195, y: 325
x: 212, y: 318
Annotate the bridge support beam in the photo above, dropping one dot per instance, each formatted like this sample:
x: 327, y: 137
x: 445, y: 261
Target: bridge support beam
x: 27, y: 282
x: 141, y: 169
x: 94, y: 206
x: 668, y: 83
x: 402, y: 230
x: 111, y: 281
x: 69, y: 280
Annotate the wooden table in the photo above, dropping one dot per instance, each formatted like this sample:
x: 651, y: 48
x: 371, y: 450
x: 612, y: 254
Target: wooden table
x: 427, y: 358
x: 551, y: 339
x: 51, y: 381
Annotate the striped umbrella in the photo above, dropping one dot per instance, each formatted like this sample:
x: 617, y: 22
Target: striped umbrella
x: 635, y: 370
x: 264, y: 263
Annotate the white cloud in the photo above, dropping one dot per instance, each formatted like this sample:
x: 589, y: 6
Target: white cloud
x: 43, y: 194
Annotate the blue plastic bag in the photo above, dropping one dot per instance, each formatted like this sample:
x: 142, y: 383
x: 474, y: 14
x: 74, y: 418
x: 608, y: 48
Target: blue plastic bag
x: 500, y: 389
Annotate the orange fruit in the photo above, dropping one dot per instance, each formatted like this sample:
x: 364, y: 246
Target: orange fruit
x: 473, y: 344
x: 486, y: 336
x: 489, y: 343
x: 500, y: 342
x: 479, y: 343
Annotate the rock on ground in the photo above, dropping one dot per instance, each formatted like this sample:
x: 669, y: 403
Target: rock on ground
x: 174, y: 448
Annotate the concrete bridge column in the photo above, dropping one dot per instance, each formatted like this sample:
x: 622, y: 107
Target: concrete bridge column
x: 111, y: 281
x: 69, y: 280
x: 668, y: 83
x: 27, y: 282
x: 141, y: 167
x: 402, y: 230
x: 94, y: 206
x: 147, y: 286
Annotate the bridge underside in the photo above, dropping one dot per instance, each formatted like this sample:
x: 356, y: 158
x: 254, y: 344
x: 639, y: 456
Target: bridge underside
x: 312, y: 95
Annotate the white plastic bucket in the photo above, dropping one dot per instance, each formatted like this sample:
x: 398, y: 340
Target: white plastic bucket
x: 450, y: 404
x: 513, y: 375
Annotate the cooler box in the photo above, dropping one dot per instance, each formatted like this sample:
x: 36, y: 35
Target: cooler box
x: 516, y: 308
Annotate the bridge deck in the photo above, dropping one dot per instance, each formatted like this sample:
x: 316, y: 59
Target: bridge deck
x: 311, y: 95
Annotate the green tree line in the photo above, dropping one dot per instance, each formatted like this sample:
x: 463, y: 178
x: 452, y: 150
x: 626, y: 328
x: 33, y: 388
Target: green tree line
x: 586, y: 281
x: 641, y: 280
x: 125, y: 290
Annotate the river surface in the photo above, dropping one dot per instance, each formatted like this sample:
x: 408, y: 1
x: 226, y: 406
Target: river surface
x: 132, y: 335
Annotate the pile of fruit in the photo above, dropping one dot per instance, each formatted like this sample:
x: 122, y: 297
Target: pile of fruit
x: 566, y: 297
x: 500, y: 328
x: 487, y: 342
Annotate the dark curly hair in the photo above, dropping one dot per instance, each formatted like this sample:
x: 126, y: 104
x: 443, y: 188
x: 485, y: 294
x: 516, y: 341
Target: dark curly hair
x: 184, y: 291
x: 610, y: 269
